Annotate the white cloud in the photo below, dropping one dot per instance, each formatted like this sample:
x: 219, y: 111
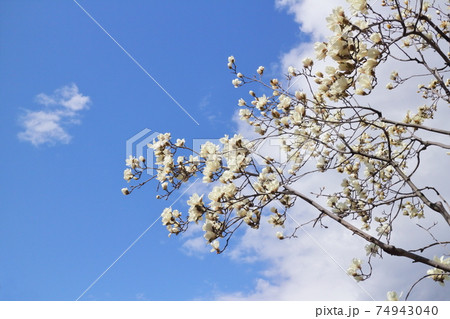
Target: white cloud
x: 205, y: 101
x: 313, y: 266
x: 310, y: 15
x: 48, y: 125
x: 297, y: 268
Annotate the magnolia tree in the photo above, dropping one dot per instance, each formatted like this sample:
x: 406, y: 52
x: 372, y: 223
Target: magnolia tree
x: 324, y: 129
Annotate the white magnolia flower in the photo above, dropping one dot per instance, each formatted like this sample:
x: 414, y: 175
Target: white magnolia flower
x: 362, y: 24
x: 371, y: 249
x: 132, y: 162
x: 229, y: 190
x: 180, y: 143
x: 355, y: 269
x: 260, y: 71
x: 300, y: 95
x: 437, y: 274
x: 216, y: 194
x: 392, y: 296
x: 226, y: 176
x: 336, y: 20
x: 285, y: 102
x: 373, y: 53
x: 244, y: 114
x: 236, y: 82
x: 358, y: 5
x: 394, y: 75
x: 208, y: 149
x: 127, y: 175
x: 307, y: 62
x: 375, y: 37
x: 365, y: 81
x: 276, y: 220
x: 330, y: 70
x: 166, y: 216
x: 320, y: 48
x: 262, y: 102
x: 292, y: 71
x: 383, y: 230
x: 197, y: 208
x: 340, y: 85
x: 215, y: 246
x: 332, y: 200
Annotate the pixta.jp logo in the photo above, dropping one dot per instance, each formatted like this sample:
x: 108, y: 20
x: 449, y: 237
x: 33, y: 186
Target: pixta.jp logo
x: 137, y: 146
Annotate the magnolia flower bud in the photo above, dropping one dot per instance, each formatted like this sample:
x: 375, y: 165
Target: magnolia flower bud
x: 300, y: 95
x: 360, y: 92
x: 236, y: 82
x: 215, y: 246
x: 275, y: 113
x: 125, y: 191
x: 142, y: 159
x: 307, y: 62
x: 180, y: 143
x: 292, y: 71
x: 392, y: 296
x: 274, y: 82
x: 231, y: 59
x: 260, y: 70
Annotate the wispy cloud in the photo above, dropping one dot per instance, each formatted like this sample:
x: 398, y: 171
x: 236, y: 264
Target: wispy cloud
x: 48, y: 125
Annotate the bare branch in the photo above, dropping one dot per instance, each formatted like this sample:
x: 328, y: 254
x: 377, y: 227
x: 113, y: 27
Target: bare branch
x: 390, y: 249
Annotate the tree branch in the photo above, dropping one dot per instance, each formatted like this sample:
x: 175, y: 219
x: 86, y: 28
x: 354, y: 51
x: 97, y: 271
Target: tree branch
x: 390, y: 249
x: 437, y: 206
x: 421, y: 127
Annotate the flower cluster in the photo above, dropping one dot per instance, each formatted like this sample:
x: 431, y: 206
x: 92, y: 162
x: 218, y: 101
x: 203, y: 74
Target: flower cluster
x: 277, y: 219
x: 355, y: 269
x: 236, y: 152
x: 172, y: 220
x: 440, y: 275
x: 267, y: 182
x: 322, y: 129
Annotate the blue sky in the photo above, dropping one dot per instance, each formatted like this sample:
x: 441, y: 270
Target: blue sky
x: 70, y: 99
x: 63, y: 217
